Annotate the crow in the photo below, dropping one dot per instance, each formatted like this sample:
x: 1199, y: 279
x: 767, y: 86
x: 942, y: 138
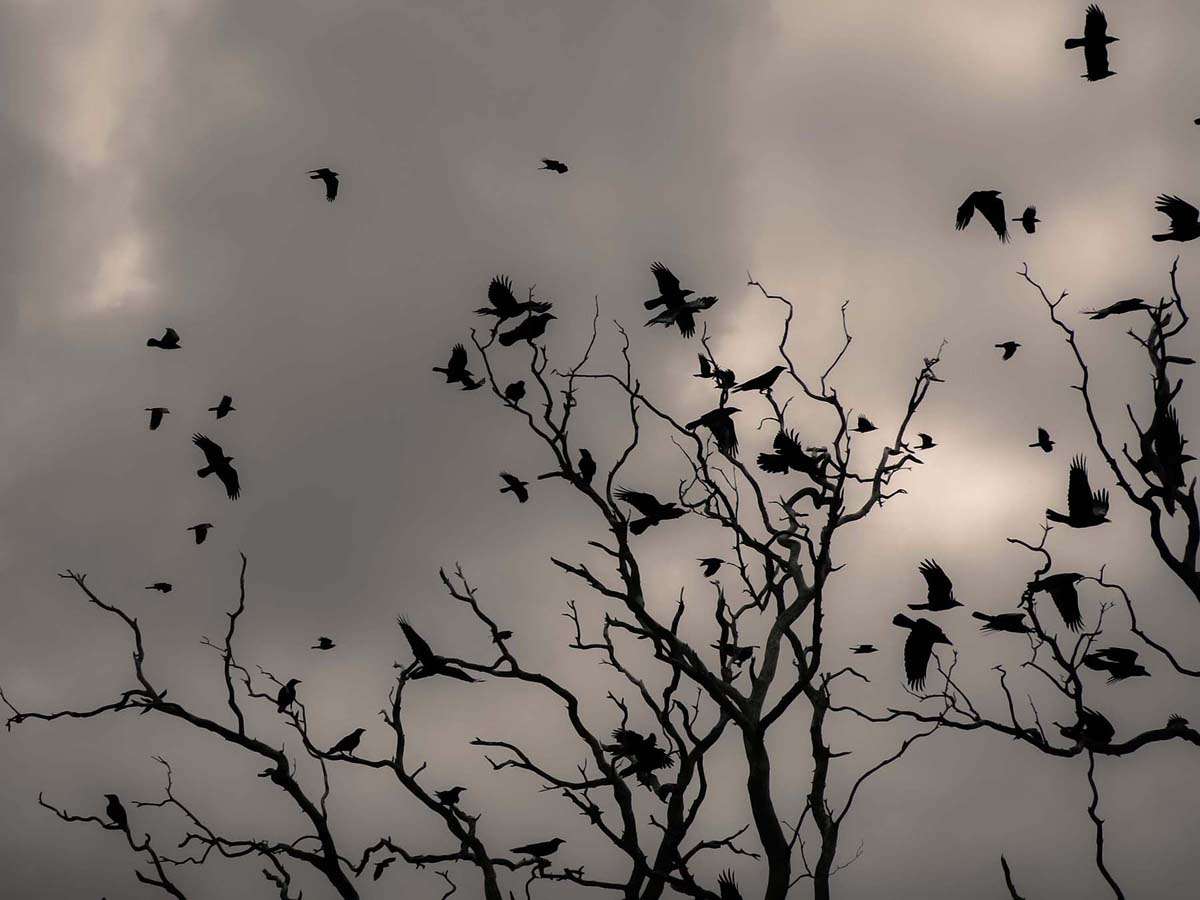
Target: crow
x: 164, y: 587
x: 684, y: 315
x: 1092, y: 728
x: 169, y: 340
x: 653, y: 512
x: 456, y: 370
x: 640, y: 751
x: 156, y: 415
x: 1009, y: 348
x: 449, y: 797
x: 541, y: 850
x: 941, y: 591
x: 720, y: 423
x: 727, y: 885
x: 224, y: 408
x: 1185, y: 219
x: 1014, y: 622
x: 1028, y: 219
x: 738, y: 655
x: 515, y: 392
x: 864, y: 425
x: 1062, y: 591
x: 724, y: 378
x: 201, y: 531
x: 789, y: 455
x: 116, y: 812
x: 918, y: 647
x: 515, y: 486
x: 670, y: 294
x: 504, y: 305
x: 1095, y: 43
x: 349, y: 743
x: 330, y: 178
x: 430, y: 663
x: 1162, y: 454
x: 990, y: 206
x: 218, y: 464
x: 1176, y: 721
x: 530, y: 328
x: 1085, y: 508
x: 323, y: 643
x: 1133, y: 304
x: 287, y: 695
x: 763, y: 382
x: 1043, y: 441
x: 380, y: 866
x: 587, y: 466
x: 554, y: 165
x: 864, y: 648
x: 926, y: 441
x: 709, y: 565
x: 1119, y: 662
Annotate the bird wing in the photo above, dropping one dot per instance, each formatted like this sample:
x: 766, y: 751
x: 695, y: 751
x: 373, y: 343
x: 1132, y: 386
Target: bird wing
x: 646, y: 504
x: 940, y: 586
x: 728, y: 886
x: 1095, y: 25
x: 1066, y: 601
x: 1099, y: 505
x: 705, y: 369
x: 229, y: 477
x: 500, y: 294
x: 1079, y: 491
x: 211, y: 449
x: 992, y: 209
x: 963, y: 219
x: 421, y: 651
x: 458, y: 359
x: 667, y: 282
x: 170, y: 335
x: 1180, y: 212
x: 917, y: 650
x: 1122, y: 656
x: 1043, y: 435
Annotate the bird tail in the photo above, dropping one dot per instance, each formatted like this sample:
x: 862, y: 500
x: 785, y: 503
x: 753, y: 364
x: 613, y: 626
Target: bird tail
x: 1072, y: 43
x: 205, y: 472
x: 657, y: 301
x: 509, y: 338
x: 155, y: 342
x: 1056, y: 517
x: 486, y: 311
x: 637, y: 526
x: 1160, y: 237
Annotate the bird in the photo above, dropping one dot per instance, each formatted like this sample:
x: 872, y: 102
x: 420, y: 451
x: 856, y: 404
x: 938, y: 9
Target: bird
x: 727, y: 886
x: 169, y: 340
x: 380, y: 866
x: 684, y: 315
x: 1014, y: 622
x: 323, y: 643
x: 587, y: 466
x: 200, y: 531
x: 1028, y: 219
x: 219, y: 465
x: 1162, y: 455
x: 1043, y: 441
x: 1176, y: 721
x: 1092, y: 728
x: 116, y: 812
x: 724, y: 378
x: 719, y: 422
x: 763, y: 382
x: 330, y: 178
x: 164, y: 587
x: 864, y: 648
x: 990, y: 206
x: 738, y: 655
x: 941, y: 592
x: 640, y: 751
x: 515, y: 392
x: 1085, y: 508
x: 505, y: 306
x: 349, y: 743
x: 450, y: 796
x: 926, y: 441
x: 1185, y: 219
x: 456, y: 370
x: 156, y: 416
x: 1062, y: 591
x: 541, y: 849
x: 554, y: 166
x: 918, y: 647
x: 530, y: 328
x: 709, y: 565
x: 515, y: 486
x: 653, y: 511
x: 670, y: 294
x: 1133, y: 304
x: 789, y: 455
x: 287, y: 695
x: 1119, y: 662
x: 224, y: 408
x: 430, y: 663
x: 1095, y: 43
x: 864, y: 425
x: 1009, y: 348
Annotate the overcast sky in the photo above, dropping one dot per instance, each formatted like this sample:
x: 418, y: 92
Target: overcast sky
x: 154, y: 157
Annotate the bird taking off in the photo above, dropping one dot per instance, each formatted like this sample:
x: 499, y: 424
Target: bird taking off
x: 218, y: 464
x: 1009, y: 348
x: 864, y: 425
x: 1119, y: 662
x: 456, y: 370
x: 1013, y: 622
x: 1085, y: 507
x: 527, y: 330
x: 1185, y: 219
x: 709, y: 565
x: 156, y: 416
x: 200, y: 531
x: 224, y: 408
x: 330, y: 178
x: 1029, y: 219
x: 554, y: 165
x: 990, y: 206
x: 1095, y: 43
x: 169, y: 340
x: 720, y: 423
x: 429, y: 663
x: 504, y: 304
x: 1062, y: 590
x: 864, y: 648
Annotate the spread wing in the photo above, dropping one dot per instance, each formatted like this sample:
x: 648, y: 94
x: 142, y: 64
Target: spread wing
x: 667, y: 282
x: 646, y: 504
x: 1079, y: 491
x: 212, y: 451
x: 170, y: 335
x: 1095, y: 25
x: 992, y: 209
x: 1181, y: 213
x: 421, y: 651
x: 458, y: 359
x: 963, y: 219
x: 705, y: 368
x: 940, y: 587
x: 917, y: 650
x: 1066, y: 600
x: 500, y: 294
x: 728, y: 886
x: 229, y: 477
x: 1122, y: 656
x: 1043, y: 435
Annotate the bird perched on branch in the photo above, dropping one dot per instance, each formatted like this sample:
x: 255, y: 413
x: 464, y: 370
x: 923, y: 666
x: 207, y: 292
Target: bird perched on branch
x: 724, y: 378
x: 1185, y: 219
x: 940, y: 596
x: 515, y: 486
x: 719, y: 422
x: 1043, y: 441
x: 218, y: 464
x: 918, y: 647
x: 530, y: 328
x: 505, y: 306
x: 1085, y: 508
x: 515, y: 392
x: 1062, y: 590
x: 763, y: 382
x: 1119, y: 662
x: 1162, y: 454
x: 330, y: 178
x: 287, y: 695
x: 349, y: 743
x: 990, y: 206
x: 200, y: 531
x: 430, y: 663
x: 554, y: 165
x: 224, y: 408
x: 456, y: 369
x: 541, y: 850
x: 739, y: 656
x: 116, y: 812
x: 1009, y: 348
x: 164, y: 587
x: 652, y: 510
x: 156, y: 416
x: 1092, y: 728
x: 1029, y: 219
x: 450, y: 796
x: 169, y: 340
x: 1013, y: 622
x: 1095, y: 43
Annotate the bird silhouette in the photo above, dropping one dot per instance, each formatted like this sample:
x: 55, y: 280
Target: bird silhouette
x: 505, y: 306
x: 1043, y: 441
x: 790, y: 456
x: 1085, y: 508
x: 541, y: 849
x: 1009, y: 348
x: 709, y: 565
x: 727, y: 886
x: 169, y: 340
x: 515, y: 486
x: 527, y: 330
x: 456, y: 370
x: 430, y: 663
x: 287, y: 695
x: 864, y: 648
x: 450, y: 796
x: 156, y: 416
x: 1028, y: 219
x: 719, y: 422
x: 653, y: 512
x: 515, y: 392
x: 763, y: 382
x: 641, y: 752
x: 684, y: 315
x: 163, y: 587
x: 1162, y: 455
x: 1014, y: 622
x: 1119, y: 662
x: 116, y: 812
x: 200, y: 531
x: 587, y: 466
x: 1185, y: 219
x: 1091, y: 729
x: 219, y: 465
x: 330, y: 178
x: 1133, y: 304
x: 670, y: 294
x: 1062, y: 591
x: 554, y: 166
x: 224, y: 408
x: 381, y: 866
x: 927, y: 442
x: 940, y: 596
x: 349, y: 743
x: 864, y: 425
x: 990, y: 206
x: 737, y: 655
x: 323, y: 643
x: 724, y: 378
x: 918, y: 647
x: 1095, y: 43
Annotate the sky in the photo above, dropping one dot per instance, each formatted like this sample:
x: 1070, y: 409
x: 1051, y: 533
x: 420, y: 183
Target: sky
x: 155, y: 158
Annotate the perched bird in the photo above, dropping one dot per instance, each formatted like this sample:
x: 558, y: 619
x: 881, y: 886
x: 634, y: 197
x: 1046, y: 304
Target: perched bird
x: 670, y: 294
x: 864, y: 648
x: 684, y: 315
x: 456, y: 369
x: 918, y: 647
x: 116, y: 812
x: 430, y: 663
x: 1014, y: 622
x: 1119, y: 662
x: 587, y: 466
x: 653, y: 512
x: 720, y: 423
x: 287, y: 695
x: 505, y: 306
x: 218, y: 464
x: 1028, y: 219
x: 790, y: 456
x: 1133, y: 304
x: 449, y: 797
x: 738, y: 655
x: 1009, y: 348
x: 1085, y: 508
x: 541, y: 850
x: 1043, y: 441
x: 990, y: 206
x: 349, y: 743
x: 156, y: 416
x: 515, y: 486
x: 515, y: 392
x: 330, y: 178
x: 380, y: 866
x: 169, y: 340
x: 323, y: 643
x: 641, y: 751
x: 1095, y: 43
x: 1185, y: 219
x: 763, y: 382
x: 864, y: 425
x: 709, y: 565
x: 941, y: 591
x: 530, y: 328
x: 554, y: 166
x: 1092, y: 728
x: 164, y: 587
x: 224, y: 408
x: 1062, y: 591
x: 727, y: 885
x: 1162, y: 455
x: 200, y: 531
x: 724, y: 378
x: 926, y: 441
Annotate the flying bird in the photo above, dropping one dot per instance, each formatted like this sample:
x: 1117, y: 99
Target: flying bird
x: 163, y: 587
x: 200, y: 531
x: 323, y: 643
x: 1009, y: 348
x: 790, y: 456
x: 380, y: 866
x: 719, y: 422
x: 349, y: 743
x: 515, y: 392
x: 224, y: 408
x: 940, y: 596
x: 653, y: 512
x: 1119, y: 662
x: 684, y: 315
x: 456, y: 369
x: 1133, y: 304
x: 450, y: 796
x: 1162, y: 455
x: 1028, y: 219
x: 156, y: 416
x: 918, y: 647
x: 218, y: 464
x: 554, y: 165
x: 541, y: 850
x: 116, y: 812
x: 1014, y: 622
x: 1095, y: 43
x: 727, y: 885
x: 505, y: 306
x: 738, y: 655
x: 640, y: 751
x: 1043, y: 441
x: 763, y: 382
x: 515, y: 486
x: 1062, y: 591
x: 709, y: 565
x: 670, y: 294
x: 926, y: 441
x: 864, y: 648
x: 527, y: 330
x: 430, y: 663
x: 724, y: 378
x: 287, y: 695
x: 1185, y: 219
x: 169, y: 340
x: 1085, y: 508
x: 330, y: 178
x: 990, y: 206
x: 864, y: 425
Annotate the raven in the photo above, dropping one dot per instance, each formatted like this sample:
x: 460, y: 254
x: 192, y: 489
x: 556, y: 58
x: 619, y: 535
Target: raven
x: 1095, y: 43
x: 323, y: 643
x: 1092, y: 728
x: 684, y: 315
x: 330, y: 178
x: 541, y: 849
x: 219, y: 465
x: 1028, y: 219
x: 1014, y: 622
x: 287, y: 695
x: 164, y: 587
x: 727, y: 885
x: 670, y: 294
x: 918, y: 647
x: 201, y: 531
x: 430, y: 663
x: 116, y: 812
x: 864, y: 425
x: 449, y: 797
x: 504, y: 305
x: 864, y: 648
x: 456, y: 369
x: 169, y: 340
x: 532, y: 327
x: 709, y: 565
x: 1009, y: 348
x: 224, y: 408
x: 515, y: 392
x: 156, y: 416
x: 1085, y: 507
x: 554, y: 165
x: 1119, y: 662
x: 941, y: 591
x: 990, y: 206
x: 763, y: 382
x: 789, y: 455
x: 724, y: 378
x: 653, y: 511
x: 380, y: 866
x: 1043, y: 441
x: 1062, y: 591
x: 1185, y: 219
x: 515, y: 486
x: 1133, y: 304
x: 349, y: 743
x: 720, y: 423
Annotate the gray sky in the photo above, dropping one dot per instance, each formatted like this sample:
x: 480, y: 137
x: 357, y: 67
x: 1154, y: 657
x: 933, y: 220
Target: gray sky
x: 154, y: 156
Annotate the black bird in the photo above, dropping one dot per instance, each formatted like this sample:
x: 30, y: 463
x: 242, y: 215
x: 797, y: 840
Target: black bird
x: 349, y: 743
x: 709, y: 565
x: 1185, y: 219
x: 587, y: 466
x: 1133, y: 304
x: 532, y: 327
x: 990, y: 206
x: 330, y: 178
x: 449, y: 797
x: 323, y: 643
x: 709, y: 369
x: 554, y: 166
x: 1092, y: 728
x: 1014, y: 622
x: 641, y: 751
x: 727, y: 885
x: 1176, y: 721
x: 541, y: 850
x: 670, y: 294
x: 1162, y: 454
x: 1009, y: 348
x: 941, y: 591
x: 763, y: 382
x: 201, y: 531
x: 1085, y: 508
x: 720, y: 423
x: 789, y: 455
x: 738, y: 655
x: 1029, y: 219
x: 164, y: 587
x: 1043, y: 441
x: 431, y: 664
x: 926, y: 441
x: 515, y: 392
x: 456, y: 369
x: 684, y: 315
x: 505, y: 305
x: 864, y: 648
x: 169, y: 340
x: 116, y: 812
x: 1062, y: 591
x: 516, y: 486
x: 224, y: 408
x: 1095, y: 43
x: 918, y: 647
x: 1119, y: 662
x: 653, y: 512
x: 864, y: 425
x: 219, y: 465
x: 156, y: 416
x: 287, y: 695
x: 380, y: 866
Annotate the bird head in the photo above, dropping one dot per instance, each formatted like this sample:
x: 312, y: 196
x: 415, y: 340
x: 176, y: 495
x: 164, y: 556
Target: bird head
x: 730, y: 410
x: 110, y: 796
x: 942, y: 639
x: 228, y: 459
